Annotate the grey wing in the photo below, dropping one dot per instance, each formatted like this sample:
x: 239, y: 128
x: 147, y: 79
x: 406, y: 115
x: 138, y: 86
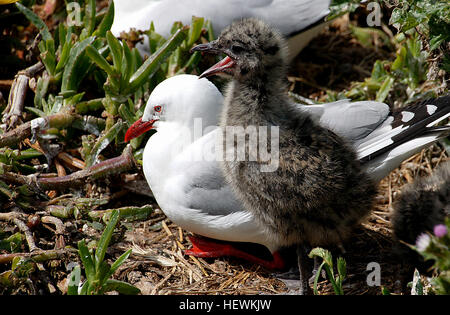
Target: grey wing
x: 202, y: 181
x: 208, y: 192
x: 351, y: 120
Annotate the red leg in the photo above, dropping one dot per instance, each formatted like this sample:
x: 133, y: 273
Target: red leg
x: 208, y: 248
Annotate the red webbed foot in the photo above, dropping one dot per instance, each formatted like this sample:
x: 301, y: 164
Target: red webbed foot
x: 210, y: 248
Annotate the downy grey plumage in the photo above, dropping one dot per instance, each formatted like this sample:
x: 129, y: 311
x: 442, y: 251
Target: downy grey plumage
x: 422, y: 205
x: 319, y: 193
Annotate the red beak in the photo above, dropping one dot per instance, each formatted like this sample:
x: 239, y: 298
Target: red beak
x: 138, y: 128
x: 222, y: 65
x: 219, y: 67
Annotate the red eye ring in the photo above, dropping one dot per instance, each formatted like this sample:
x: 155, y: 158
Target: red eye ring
x: 157, y: 108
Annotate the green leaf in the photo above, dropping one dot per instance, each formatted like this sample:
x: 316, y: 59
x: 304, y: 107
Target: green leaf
x: 195, y: 30
x: 30, y: 15
x: 68, y: 93
x: 115, y: 49
x: 128, y: 66
x: 174, y: 62
x: 106, y: 238
x: 322, y: 253
x: 152, y: 64
x: 106, y: 23
x: 126, y: 114
x: 119, y: 262
x: 404, y: 19
x: 209, y: 28
x: 100, y: 61
x: 86, y: 259
x: 22, y: 267
x: 385, y: 88
x: 41, y: 90
x: 363, y: 34
x: 128, y: 214
x: 88, y: 106
x: 330, y: 275
x: 102, y: 275
x: 85, y: 288
x: 15, y: 263
x: 13, y: 242
x: 89, y: 17
x: 176, y: 27
x: 75, y: 70
x: 74, y: 281
x: 36, y: 111
x: 436, y: 41
x: 385, y: 291
x: 342, y: 267
x: 48, y: 56
x: 342, y: 273
x: 137, y: 58
x: 328, y: 265
x: 121, y: 287
x: 104, y: 141
x: 56, y: 106
x: 71, y: 101
x: 64, y: 56
x: 60, y: 35
x: 154, y: 39
x: 340, y: 7
x: 191, y: 63
x: 108, y: 102
x: 317, y: 276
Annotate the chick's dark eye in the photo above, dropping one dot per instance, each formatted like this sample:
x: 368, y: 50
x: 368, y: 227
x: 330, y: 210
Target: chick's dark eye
x: 237, y: 49
x: 157, y: 108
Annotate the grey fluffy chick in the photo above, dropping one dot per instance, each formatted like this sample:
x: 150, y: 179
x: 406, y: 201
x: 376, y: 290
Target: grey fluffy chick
x: 319, y: 193
x: 422, y: 205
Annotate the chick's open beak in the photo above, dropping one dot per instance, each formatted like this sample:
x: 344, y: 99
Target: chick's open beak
x: 220, y: 67
x: 138, y: 128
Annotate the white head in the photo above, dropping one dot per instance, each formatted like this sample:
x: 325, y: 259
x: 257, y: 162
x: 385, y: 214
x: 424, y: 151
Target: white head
x: 180, y: 99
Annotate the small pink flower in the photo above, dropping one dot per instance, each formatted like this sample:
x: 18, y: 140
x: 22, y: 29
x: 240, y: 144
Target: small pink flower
x: 440, y: 230
x: 422, y: 242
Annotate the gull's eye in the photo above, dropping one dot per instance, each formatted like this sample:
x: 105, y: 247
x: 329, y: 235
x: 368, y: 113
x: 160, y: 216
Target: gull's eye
x: 157, y: 108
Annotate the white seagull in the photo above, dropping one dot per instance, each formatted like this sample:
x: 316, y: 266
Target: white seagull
x: 299, y: 20
x: 187, y: 180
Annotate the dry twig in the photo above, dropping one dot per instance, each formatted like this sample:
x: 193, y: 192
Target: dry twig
x: 116, y: 165
x: 17, y: 95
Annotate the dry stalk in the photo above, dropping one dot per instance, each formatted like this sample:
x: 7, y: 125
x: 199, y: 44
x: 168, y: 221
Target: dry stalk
x: 18, y: 94
x: 116, y: 165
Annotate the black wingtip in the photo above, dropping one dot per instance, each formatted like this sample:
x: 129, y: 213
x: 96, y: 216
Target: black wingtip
x: 426, y: 112
x: 413, y: 121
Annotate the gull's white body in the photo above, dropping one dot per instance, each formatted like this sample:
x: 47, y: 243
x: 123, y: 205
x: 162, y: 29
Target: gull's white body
x: 172, y: 184
x: 192, y: 191
x: 290, y: 17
